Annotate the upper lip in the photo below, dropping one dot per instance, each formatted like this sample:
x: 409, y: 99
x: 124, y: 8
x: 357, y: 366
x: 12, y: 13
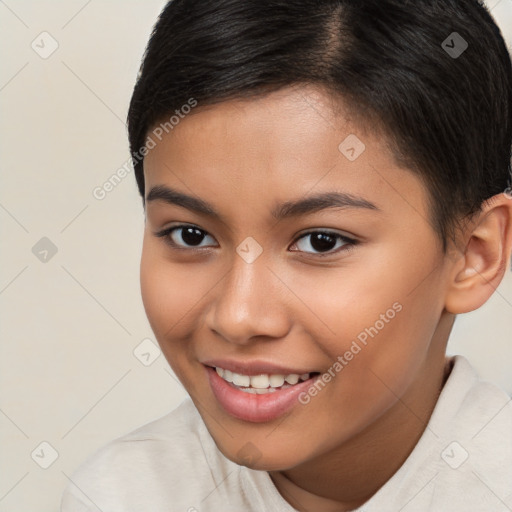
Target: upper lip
x: 254, y: 367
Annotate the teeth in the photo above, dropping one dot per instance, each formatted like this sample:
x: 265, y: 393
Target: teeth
x: 276, y: 381
x: 250, y: 390
x: 260, y: 384
x: 241, y: 380
x: 254, y: 391
x: 293, y: 378
x: 260, y: 381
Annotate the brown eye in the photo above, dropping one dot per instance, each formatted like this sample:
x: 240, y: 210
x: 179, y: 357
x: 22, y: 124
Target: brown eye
x: 184, y: 236
x: 323, y: 242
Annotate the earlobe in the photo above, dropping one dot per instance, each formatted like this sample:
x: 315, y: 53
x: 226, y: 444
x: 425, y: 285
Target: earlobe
x: 480, y: 269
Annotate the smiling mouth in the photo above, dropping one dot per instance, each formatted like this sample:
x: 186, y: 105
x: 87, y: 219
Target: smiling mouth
x: 259, y: 397
x: 263, y: 383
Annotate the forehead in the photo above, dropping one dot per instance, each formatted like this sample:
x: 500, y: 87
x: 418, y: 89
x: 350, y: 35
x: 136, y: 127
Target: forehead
x: 259, y: 131
x: 289, y: 143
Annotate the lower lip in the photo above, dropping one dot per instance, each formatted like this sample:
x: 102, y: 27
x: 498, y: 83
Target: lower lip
x: 253, y: 407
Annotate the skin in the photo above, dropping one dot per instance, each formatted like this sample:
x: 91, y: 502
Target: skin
x: 293, y: 306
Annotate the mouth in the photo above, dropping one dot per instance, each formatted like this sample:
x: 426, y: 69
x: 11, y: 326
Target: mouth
x: 263, y: 383
x: 258, y: 397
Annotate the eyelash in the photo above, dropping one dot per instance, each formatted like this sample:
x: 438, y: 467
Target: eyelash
x: 349, y: 242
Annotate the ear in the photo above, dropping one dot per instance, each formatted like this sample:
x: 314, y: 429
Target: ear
x: 480, y: 268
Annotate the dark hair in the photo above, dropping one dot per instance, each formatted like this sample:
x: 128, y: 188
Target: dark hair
x: 446, y: 115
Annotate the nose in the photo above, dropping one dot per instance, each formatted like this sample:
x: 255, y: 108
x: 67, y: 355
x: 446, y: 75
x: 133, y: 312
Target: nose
x: 249, y: 302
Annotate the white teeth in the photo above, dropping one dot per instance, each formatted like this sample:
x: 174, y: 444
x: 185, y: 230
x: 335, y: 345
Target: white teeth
x: 241, y: 380
x: 254, y: 391
x: 293, y: 378
x: 250, y: 390
x: 260, y: 384
x: 276, y: 381
x: 260, y: 381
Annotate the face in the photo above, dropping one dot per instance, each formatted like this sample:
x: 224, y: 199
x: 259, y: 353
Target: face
x: 347, y: 287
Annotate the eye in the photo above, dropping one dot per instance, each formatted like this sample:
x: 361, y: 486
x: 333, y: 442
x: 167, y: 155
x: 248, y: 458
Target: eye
x: 187, y: 237
x: 190, y: 236
x: 324, y: 242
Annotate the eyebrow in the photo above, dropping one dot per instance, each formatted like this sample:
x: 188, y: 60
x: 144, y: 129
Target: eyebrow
x: 281, y: 211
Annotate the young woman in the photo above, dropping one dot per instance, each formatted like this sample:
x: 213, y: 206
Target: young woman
x: 326, y: 186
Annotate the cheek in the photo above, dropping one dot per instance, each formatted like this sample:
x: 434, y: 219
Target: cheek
x: 168, y: 297
x: 347, y: 304
x: 157, y: 291
x: 380, y: 319
x: 167, y: 291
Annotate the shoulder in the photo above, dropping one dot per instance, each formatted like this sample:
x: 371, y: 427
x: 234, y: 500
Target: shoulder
x: 481, y: 407
x: 463, y: 460
x: 149, y: 463
x: 165, y: 437
x: 475, y: 441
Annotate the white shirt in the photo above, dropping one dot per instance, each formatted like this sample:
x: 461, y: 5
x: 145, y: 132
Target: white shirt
x: 462, y: 463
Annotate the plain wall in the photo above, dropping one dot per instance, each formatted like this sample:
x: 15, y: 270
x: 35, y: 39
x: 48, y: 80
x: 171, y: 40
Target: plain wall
x: 70, y: 324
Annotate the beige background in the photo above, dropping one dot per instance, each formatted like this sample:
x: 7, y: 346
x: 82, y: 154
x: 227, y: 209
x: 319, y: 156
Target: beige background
x: 70, y: 325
